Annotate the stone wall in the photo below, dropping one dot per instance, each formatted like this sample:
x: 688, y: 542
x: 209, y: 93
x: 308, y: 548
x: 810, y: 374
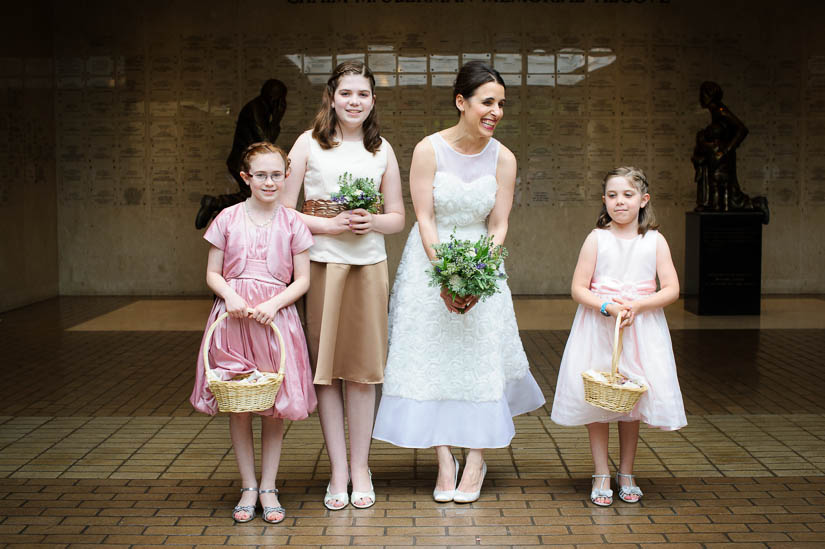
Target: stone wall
x: 146, y: 97
x: 28, y: 188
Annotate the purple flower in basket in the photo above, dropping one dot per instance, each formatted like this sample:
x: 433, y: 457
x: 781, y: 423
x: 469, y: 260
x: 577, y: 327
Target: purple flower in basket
x: 480, y: 266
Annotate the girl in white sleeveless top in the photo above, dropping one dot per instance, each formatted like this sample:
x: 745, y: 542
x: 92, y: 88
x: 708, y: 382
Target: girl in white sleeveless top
x: 456, y: 379
x: 346, y: 305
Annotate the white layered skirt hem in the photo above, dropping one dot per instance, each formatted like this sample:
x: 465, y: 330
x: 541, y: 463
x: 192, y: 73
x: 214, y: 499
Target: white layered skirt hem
x: 413, y: 423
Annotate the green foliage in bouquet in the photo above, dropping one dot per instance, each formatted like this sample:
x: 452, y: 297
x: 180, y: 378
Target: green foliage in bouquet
x: 468, y: 268
x: 358, y: 193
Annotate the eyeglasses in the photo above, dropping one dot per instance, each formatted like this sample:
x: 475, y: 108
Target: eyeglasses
x: 260, y: 177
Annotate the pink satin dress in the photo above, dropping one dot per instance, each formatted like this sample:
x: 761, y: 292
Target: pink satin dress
x: 241, y: 346
x: 625, y: 268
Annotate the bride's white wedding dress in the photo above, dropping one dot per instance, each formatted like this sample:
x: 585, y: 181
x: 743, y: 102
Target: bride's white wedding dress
x: 453, y: 379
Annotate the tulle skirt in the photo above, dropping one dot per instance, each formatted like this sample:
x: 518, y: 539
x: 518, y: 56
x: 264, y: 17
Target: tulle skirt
x: 647, y: 355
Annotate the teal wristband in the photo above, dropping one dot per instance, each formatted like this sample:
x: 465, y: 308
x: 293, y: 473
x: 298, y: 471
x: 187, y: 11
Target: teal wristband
x: 603, y: 309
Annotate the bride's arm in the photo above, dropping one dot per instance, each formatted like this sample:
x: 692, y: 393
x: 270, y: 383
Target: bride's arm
x: 422, y: 173
x: 506, y: 169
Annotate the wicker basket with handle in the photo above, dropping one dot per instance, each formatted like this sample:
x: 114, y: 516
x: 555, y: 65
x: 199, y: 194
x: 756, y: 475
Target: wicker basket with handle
x: 233, y: 396
x: 611, y: 394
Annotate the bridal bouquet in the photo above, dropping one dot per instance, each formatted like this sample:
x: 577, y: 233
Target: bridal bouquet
x: 468, y: 268
x: 358, y: 193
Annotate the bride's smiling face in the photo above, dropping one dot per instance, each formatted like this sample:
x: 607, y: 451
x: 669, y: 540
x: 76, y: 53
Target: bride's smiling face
x: 484, y: 109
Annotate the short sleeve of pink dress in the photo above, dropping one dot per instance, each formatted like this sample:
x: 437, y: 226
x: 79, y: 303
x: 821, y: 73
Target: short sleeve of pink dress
x: 216, y: 233
x: 301, y: 237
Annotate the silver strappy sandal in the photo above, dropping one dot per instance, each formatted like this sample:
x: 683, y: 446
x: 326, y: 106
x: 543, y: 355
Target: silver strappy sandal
x: 632, y: 490
x: 267, y: 510
x: 604, y: 493
x: 248, y: 509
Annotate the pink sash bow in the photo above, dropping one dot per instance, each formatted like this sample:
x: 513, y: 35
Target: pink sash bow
x: 611, y: 287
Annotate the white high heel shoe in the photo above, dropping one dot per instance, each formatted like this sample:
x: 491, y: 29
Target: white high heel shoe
x: 330, y: 499
x: 469, y: 497
x: 443, y: 496
x: 355, y: 497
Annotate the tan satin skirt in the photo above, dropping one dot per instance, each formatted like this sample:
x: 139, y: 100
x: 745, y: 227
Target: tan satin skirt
x: 346, y: 319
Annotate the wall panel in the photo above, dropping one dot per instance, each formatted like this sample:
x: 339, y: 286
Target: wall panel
x: 146, y: 99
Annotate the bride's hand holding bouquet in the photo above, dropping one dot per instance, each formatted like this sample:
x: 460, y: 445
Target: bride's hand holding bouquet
x: 467, y: 271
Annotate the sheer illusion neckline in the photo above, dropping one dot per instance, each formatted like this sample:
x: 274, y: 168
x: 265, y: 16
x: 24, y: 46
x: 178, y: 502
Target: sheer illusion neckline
x: 473, y: 182
x: 479, y: 153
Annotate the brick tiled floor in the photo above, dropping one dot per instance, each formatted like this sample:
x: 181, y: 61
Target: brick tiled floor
x: 99, y: 447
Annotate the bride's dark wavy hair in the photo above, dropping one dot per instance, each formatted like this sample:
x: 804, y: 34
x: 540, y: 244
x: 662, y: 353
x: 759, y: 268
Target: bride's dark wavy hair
x: 323, y: 127
x: 472, y: 75
x: 637, y: 178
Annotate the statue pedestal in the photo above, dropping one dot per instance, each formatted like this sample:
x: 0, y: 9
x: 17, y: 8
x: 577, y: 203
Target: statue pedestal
x: 723, y: 263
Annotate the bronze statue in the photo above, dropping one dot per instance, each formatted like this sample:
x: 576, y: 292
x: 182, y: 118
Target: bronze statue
x: 259, y: 120
x: 714, y: 159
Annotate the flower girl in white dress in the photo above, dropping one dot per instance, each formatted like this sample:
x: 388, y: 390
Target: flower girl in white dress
x: 616, y: 275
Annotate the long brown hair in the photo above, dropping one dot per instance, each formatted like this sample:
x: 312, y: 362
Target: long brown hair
x: 323, y: 127
x: 637, y: 178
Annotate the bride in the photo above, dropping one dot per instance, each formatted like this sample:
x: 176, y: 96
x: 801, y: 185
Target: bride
x: 456, y: 372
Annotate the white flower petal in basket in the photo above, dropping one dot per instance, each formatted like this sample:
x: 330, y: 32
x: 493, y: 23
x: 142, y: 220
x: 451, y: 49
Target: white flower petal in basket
x: 236, y: 396
x: 613, y: 392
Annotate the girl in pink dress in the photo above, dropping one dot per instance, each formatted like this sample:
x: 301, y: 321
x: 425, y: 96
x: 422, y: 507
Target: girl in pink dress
x: 258, y: 266
x: 616, y: 276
